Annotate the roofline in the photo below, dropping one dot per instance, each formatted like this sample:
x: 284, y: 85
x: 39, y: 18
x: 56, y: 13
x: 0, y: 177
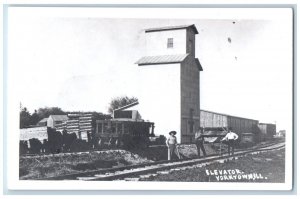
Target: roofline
x: 173, y: 62
x: 198, y: 64
x: 127, y: 106
x: 162, y: 62
x: 228, y: 115
x: 46, y: 118
x: 267, y: 123
x: 177, y: 62
x: 59, y: 119
x: 124, y: 120
x: 167, y: 28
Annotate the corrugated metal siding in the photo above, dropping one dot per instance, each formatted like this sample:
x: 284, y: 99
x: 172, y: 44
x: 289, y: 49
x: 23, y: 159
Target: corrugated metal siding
x: 163, y: 59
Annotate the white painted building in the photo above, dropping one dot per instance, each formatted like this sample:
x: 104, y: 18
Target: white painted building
x: 53, y: 121
x: 169, y: 90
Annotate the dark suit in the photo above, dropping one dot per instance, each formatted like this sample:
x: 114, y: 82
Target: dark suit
x: 199, y: 141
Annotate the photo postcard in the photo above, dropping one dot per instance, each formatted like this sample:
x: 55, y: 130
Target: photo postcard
x: 149, y: 98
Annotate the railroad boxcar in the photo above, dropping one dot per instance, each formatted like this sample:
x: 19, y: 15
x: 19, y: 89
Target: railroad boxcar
x: 268, y: 131
x: 247, y: 129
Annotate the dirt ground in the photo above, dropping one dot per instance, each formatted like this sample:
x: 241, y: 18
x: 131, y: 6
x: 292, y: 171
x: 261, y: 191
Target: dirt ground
x: 263, y: 167
x: 157, y: 153
x: 60, y: 164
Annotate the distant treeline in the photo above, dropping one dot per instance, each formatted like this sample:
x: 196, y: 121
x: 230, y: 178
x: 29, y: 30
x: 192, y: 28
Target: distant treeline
x: 28, y: 119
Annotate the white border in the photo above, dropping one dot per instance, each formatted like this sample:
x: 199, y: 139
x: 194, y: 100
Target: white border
x: 12, y: 117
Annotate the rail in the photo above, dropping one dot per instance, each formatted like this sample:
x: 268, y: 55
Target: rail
x: 125, y: 171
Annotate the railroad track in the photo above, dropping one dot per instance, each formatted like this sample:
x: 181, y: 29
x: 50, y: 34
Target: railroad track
x: 126, y: 172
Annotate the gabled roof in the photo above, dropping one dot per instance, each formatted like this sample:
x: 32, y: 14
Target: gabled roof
x: 192, y: 26
x: 43, y: 120
x: 162, y: 59
x: 59, y: 117
x: 166, y: 59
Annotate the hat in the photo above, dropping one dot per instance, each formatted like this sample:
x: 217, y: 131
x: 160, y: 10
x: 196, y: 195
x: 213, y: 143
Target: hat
x: 172, y: 132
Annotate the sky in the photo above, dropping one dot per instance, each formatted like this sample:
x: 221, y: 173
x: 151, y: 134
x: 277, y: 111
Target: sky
x: 79, y: 62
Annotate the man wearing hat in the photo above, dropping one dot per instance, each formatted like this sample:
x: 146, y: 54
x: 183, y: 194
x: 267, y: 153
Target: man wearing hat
x: 171, y: 143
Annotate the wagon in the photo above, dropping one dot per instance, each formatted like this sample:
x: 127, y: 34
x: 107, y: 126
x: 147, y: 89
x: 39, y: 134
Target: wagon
x: 125, y: 133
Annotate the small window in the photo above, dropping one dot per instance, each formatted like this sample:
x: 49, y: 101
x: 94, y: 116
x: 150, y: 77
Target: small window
x: 170, y: 43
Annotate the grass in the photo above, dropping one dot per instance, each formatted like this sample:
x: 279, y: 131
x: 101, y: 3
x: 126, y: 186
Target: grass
x: 44, y: 166
x: 61, y: 164
x: 268, y: 166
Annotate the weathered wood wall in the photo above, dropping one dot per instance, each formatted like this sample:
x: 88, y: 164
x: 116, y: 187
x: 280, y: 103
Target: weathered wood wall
x: 267, y: 130
x: 238, y: 124
x: 80, y: 124
x: 211, y: 119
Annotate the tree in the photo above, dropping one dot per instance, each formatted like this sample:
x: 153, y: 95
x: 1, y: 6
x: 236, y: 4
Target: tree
x: 34, y: 119
x: 120, y: 101
x: 100, y: 116
x: 27, y: 119
x: 47, y: 111
x: 24, y: 117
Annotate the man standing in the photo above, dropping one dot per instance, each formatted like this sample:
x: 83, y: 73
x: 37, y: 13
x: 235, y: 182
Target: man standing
x: 199, y: 141
x: 230, y: 137
x: 172, y: 144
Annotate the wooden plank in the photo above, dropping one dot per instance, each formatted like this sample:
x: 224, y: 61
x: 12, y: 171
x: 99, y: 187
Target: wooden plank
x: 80, y: 121
x: 85, y: 123
x: 86, y: 118
x: 86, y: 128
